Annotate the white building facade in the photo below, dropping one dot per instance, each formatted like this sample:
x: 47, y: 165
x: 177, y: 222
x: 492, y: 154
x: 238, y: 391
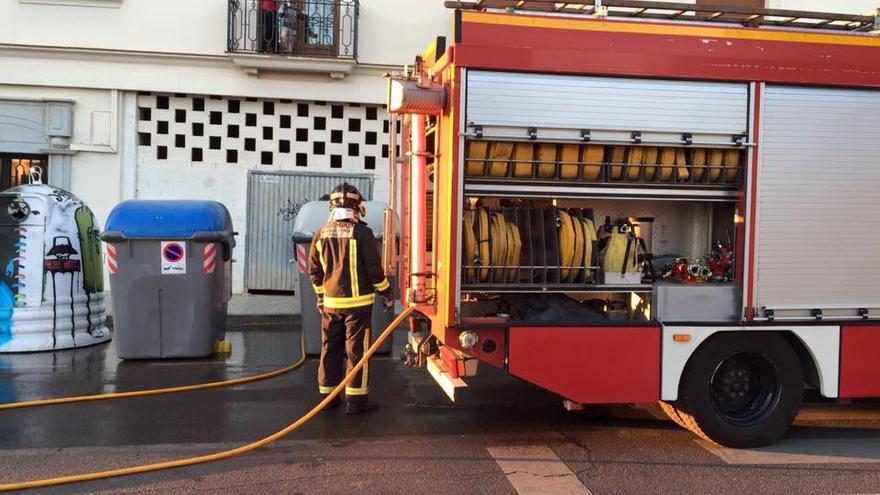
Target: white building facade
x: 258, y: 104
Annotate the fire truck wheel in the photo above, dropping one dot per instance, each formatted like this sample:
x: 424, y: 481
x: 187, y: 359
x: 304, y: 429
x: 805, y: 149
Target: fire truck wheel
x: 741, y: 390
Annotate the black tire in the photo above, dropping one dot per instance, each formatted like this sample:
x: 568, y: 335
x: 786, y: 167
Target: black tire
x: 741, y: 389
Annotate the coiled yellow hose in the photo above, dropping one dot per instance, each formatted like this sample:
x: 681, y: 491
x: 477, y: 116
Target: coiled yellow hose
x: 189, y: 461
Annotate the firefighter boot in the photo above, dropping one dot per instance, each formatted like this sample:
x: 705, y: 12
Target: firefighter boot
x: 358, y: 404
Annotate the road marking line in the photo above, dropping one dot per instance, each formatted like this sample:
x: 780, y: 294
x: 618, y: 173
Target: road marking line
x: 534, y: 469
x: 802, y: 451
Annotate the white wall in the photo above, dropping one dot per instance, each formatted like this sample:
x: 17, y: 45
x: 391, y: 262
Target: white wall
x: 197, y: 26
x: 394, y: 31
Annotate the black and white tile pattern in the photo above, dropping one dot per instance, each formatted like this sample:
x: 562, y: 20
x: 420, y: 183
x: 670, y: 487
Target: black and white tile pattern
x: 261, y: 133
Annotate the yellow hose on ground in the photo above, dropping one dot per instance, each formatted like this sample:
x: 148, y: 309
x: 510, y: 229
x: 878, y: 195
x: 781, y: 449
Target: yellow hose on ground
x: 160, y: 391
x: 201, y: 459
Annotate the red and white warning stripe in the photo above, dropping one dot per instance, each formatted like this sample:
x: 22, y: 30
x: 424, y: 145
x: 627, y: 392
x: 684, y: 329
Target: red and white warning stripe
x: 209, y: 260
x: 112, y: 259
x: 302, y: 258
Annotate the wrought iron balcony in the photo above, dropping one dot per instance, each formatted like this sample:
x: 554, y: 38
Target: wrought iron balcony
x: 300, y: 28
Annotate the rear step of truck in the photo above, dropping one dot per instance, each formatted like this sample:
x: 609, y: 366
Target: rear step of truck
x: 447, y: 368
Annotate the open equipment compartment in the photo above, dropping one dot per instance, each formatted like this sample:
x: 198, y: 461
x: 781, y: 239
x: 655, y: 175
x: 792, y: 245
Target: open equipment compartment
x: 555, y: 166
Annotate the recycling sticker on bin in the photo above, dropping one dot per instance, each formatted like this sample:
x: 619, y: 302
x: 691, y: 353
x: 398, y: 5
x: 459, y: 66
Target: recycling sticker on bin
x: 173, y: 258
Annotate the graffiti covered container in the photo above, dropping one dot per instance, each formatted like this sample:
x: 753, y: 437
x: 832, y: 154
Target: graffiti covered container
x: 52, y: 290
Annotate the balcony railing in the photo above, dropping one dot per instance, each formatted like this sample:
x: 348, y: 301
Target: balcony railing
x: 307, y: 28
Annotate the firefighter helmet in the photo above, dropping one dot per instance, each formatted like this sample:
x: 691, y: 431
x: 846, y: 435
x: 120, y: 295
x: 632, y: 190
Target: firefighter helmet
x: 346, y: 195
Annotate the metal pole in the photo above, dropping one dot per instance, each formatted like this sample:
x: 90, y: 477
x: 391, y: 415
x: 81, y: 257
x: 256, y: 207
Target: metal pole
x: 418, y: 210
x: 389, y: 247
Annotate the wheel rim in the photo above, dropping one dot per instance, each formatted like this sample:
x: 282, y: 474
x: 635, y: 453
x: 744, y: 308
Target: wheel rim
x: 745, y: 388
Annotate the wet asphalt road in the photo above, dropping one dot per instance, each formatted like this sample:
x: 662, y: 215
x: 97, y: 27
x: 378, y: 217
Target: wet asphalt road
x: 417, y: 442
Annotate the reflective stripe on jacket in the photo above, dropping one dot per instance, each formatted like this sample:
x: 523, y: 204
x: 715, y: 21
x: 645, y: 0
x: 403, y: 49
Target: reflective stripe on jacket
x: 344, y: 266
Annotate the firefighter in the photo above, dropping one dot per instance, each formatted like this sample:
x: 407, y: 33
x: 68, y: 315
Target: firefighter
x: 346, y: 271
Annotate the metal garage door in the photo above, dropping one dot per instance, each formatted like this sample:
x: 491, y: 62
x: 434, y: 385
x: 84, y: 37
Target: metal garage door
x: 507, y: 104
x: 818, y: 245
x: 274, y: 198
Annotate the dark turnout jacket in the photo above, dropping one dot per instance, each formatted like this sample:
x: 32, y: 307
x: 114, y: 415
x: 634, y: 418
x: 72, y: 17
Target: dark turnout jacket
x: 344, y: 266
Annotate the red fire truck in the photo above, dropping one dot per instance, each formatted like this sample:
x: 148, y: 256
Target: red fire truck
x: 642, y: 202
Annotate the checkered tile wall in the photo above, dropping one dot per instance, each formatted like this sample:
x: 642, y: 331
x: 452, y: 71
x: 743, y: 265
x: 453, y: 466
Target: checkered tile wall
x: 262, y: 133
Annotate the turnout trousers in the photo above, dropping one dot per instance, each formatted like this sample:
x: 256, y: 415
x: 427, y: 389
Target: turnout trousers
x: 345, y: 337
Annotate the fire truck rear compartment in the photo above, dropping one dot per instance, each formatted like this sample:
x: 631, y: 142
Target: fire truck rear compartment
x: 556, y: 167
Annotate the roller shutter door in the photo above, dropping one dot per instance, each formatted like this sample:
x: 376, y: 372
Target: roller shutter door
x: 818, y: 234
x: 507, y: 104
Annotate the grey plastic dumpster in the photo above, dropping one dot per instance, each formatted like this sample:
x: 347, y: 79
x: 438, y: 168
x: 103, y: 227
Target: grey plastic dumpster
x: 310, y: 218
x: 170, y: 277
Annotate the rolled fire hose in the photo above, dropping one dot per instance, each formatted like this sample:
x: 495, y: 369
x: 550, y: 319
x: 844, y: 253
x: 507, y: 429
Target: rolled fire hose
x: 578, y: 258
x: 667, y: 160
x: 483, y: 243
x: 514, y: 249
x: 566, y: 239
x: 681, y: 162
x: 523, y: 156
x: 634, y: 157
x: 618, y: 156
x: 570, y: 161
x: 546, y: 154
x: 581, y: 229
x: 470, y: 244
x: 652, y: 153
x: 731, y: 165
x: 716, y: 163
x: 589, y: 239
x: 201, y: 459
x: 499, y: 157
x: 160, y: 391
x: 477, y: 151
x: 499, y: 246
x: 699, y: 163
x: 592, y: 160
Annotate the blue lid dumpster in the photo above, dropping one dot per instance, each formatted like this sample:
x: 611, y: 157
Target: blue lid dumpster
x: 170, y: 277
x: 311, y: 217
x: 52, y: 283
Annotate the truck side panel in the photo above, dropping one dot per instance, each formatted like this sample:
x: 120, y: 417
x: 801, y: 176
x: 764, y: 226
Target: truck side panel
x: 859, y: 366
x: 597, y: 365
x: 818, y: 177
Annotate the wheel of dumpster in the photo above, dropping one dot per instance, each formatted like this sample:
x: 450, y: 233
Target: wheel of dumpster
x: 741, y: 389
